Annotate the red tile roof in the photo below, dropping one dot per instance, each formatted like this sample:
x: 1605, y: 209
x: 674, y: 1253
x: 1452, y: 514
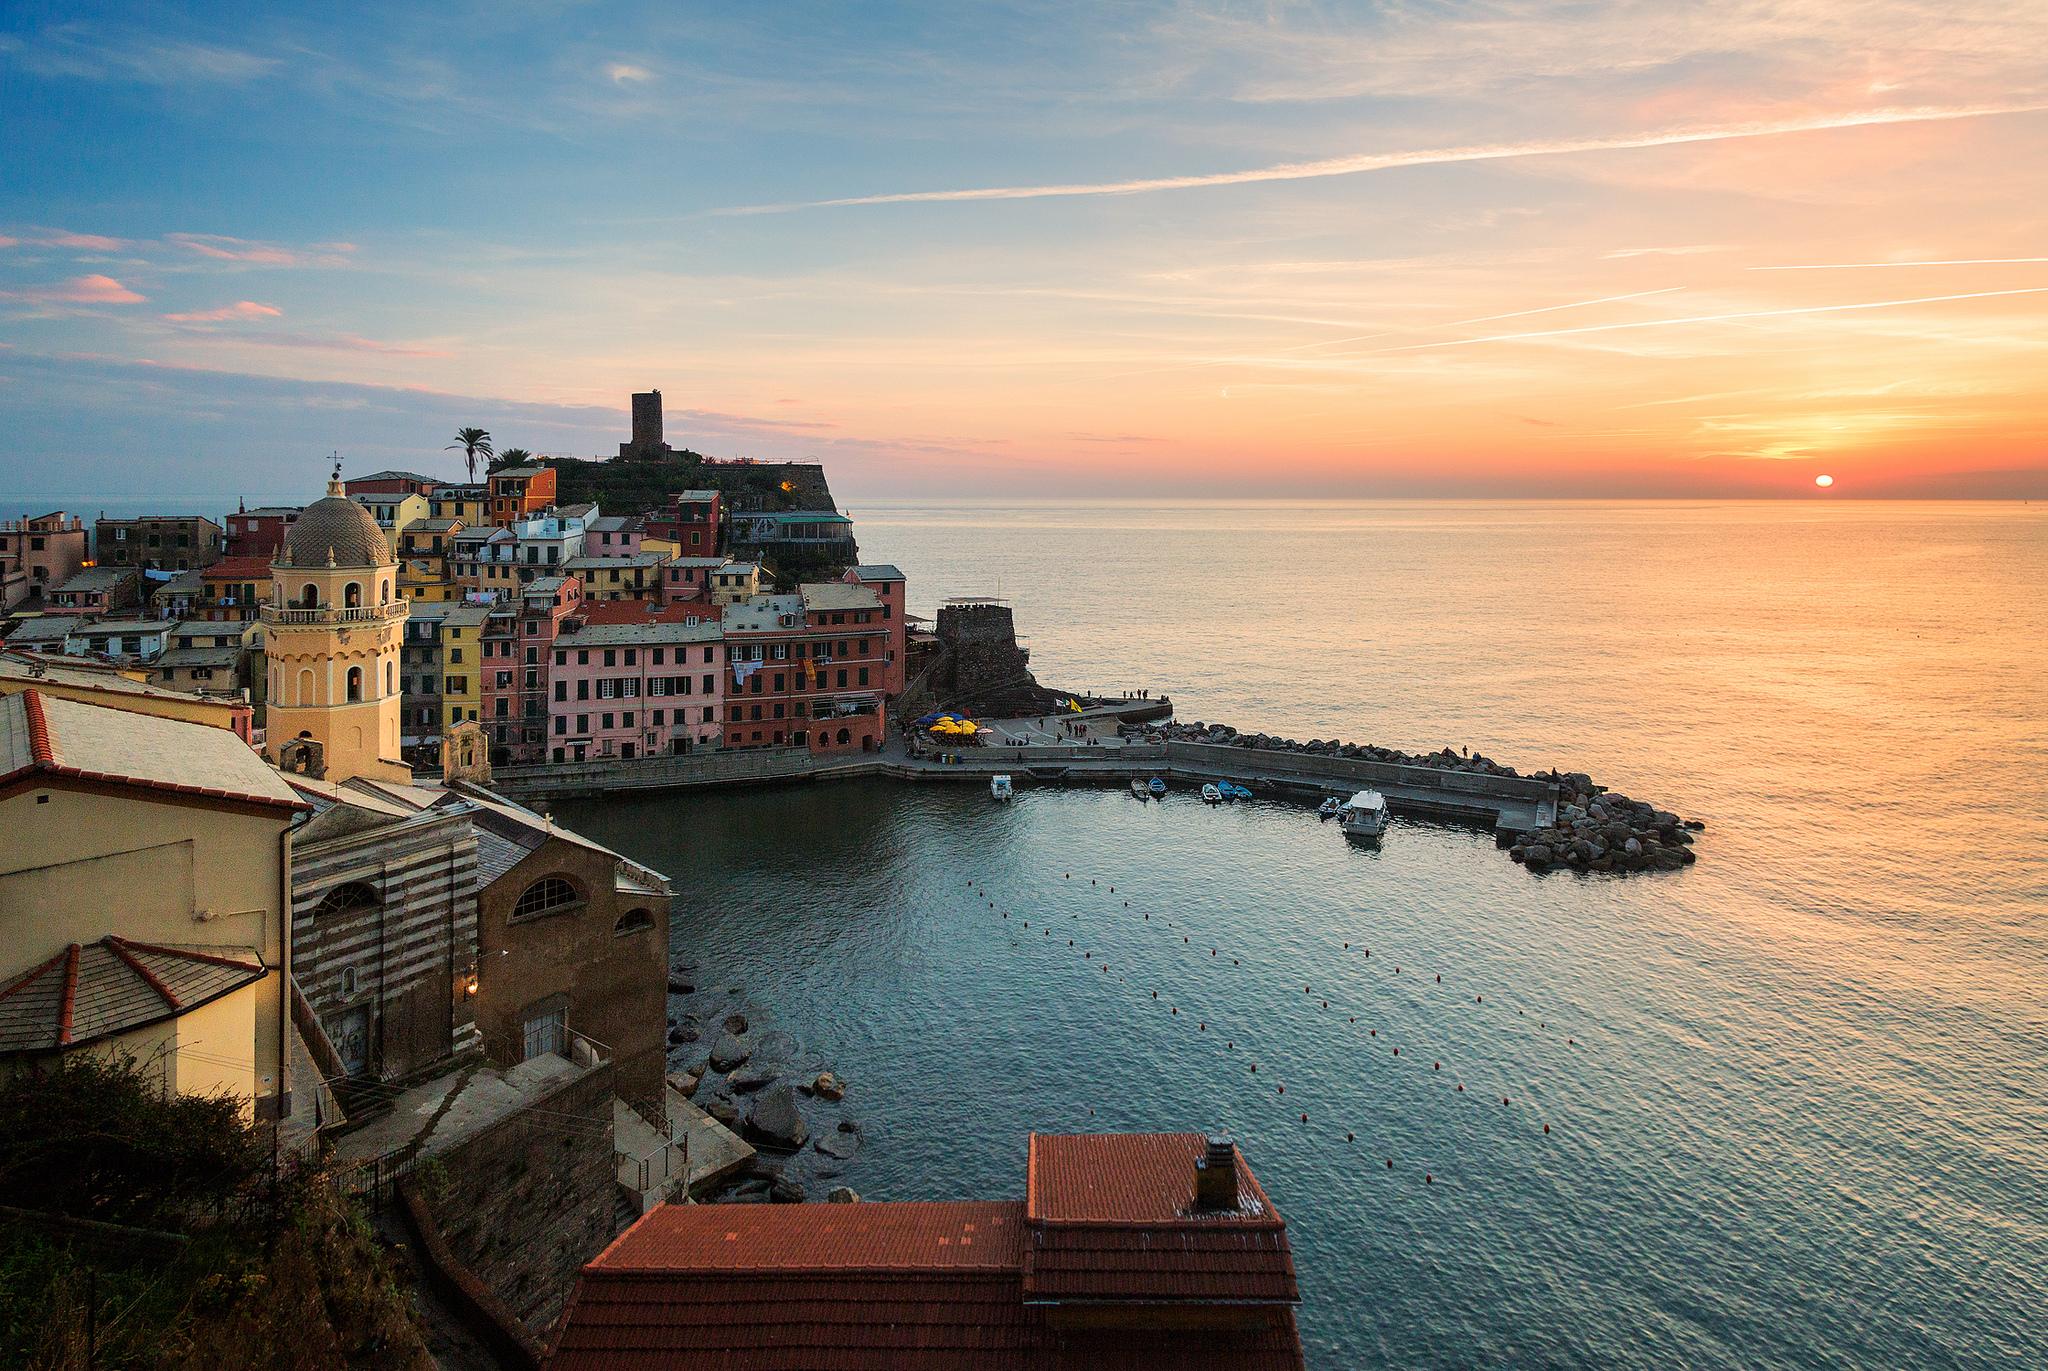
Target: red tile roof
x: 894, y: 1238
x: 949, y: 1287
x: 1129, y: 1178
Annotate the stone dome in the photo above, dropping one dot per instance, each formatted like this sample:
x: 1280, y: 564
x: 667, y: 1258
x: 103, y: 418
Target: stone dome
x: 335, y: 531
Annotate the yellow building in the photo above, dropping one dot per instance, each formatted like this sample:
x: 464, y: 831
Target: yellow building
x: 331, y: 639
x: 394, y: 514
x: 425, y: 550
x: 464, y: 504
x: 102, y: 684
x: 462, y: 672
x: 145, y: 884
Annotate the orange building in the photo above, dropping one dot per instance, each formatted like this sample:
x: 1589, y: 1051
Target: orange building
x: 518, y: 492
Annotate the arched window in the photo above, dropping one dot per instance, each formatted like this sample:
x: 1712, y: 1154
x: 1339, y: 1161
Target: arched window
x: 355, y: 684
x: 384, y: 592
x: 309, y: 596
x: 633, y: 921
x: 387, y: 678
x: 352, y: 897
x: 845, y: 736
x: 548, y: 895
x: 352, y: 596
x: 305, y: 695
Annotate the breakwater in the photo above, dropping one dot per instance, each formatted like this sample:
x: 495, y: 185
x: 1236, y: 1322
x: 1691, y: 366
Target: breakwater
x: 1585, y: 826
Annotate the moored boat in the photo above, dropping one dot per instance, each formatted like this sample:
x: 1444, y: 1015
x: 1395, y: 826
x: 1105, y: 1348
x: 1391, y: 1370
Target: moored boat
x: 1140, y: 789
x: 999, y: 788
x: 1330, y: 809
x: 1211, y: 794
x: 1157, y: 785
x: 1233, y: 791
x: 1365, y: 816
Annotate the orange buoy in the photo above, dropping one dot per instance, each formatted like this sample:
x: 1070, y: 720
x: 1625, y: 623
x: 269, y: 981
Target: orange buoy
x: 1397, y: 1051
x: 1427, y: 1179
x: 1204, y: 1026
x: 1374, y: 1031
x: 1436, y: 1066
x: 1283, y: 1090
x: 1503, y: 1099
x: 1304, y: 1118
x: 1390, y: 1163
x: 1176, y: 1009
x: 1461, y: 1090
x: 1546, y: 1129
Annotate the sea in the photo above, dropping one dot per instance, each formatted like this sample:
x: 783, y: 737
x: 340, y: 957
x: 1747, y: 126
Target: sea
x: 1787, y: 1107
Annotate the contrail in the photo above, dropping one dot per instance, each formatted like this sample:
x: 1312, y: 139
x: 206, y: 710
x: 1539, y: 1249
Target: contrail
x: 1863, y: 266
x: 1384, y: 161
x: 1715, y: 319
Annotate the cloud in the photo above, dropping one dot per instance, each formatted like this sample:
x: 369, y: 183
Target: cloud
x: 85, y: 242
x: 241, y: 309
x: 1681, y: 250
x: 1721, y: 318
x: 78, y: 290
x: 74, y: 50
x: 1868, y: 266
x: 221, y: 248
x: 335, y: 342
x: 6, y: 242
x: 1386, y: 161
x: 625, y: 73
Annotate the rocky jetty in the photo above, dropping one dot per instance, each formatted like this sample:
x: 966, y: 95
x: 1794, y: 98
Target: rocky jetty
x: 1596, y: 830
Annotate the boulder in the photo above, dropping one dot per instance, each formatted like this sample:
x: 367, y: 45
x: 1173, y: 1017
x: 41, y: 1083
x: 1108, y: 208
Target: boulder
x: 842, y: 1194
x: 754, y: 1075
x: 1538, y: 855
x: 776, y: 1121
x: 729, y: 1051
x: 1633, y: 847
x: 734, y: 1023
x: 827, y: 1087
x: 723, y: 1110
x: 786, y: 1190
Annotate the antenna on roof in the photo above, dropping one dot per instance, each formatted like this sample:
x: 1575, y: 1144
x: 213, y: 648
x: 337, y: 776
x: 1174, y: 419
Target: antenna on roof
x: 337, y: 465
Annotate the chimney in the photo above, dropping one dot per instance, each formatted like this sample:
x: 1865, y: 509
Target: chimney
x: 647, y: 421
x: 1216, y: 1175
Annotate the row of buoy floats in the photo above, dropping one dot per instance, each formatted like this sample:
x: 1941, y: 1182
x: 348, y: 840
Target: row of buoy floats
x: 1202, y: 1025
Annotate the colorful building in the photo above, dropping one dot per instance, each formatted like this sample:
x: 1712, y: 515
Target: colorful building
x: 614, y: 535
x: 626, y: 576
x: 258, y: 532
x: 519, y: 493
x: 889, y: 587
x: 204, y: 656
x: 518, y: 715
x: 465, y: 503
x: 1138, y: 1250
x: 732, y: 582
x: 419, y: 682
x: 115, y: 687
x: 691, y: 521
x: 687, y: 580
x: 462, y: 663
x: 160, y: 542
x: 807, y: 670
x: 391, y: 483
x: 233, y: 590
x: 37, y: 555
x: 394, y: 512
x: 98, y: 590
x: 637, y: 688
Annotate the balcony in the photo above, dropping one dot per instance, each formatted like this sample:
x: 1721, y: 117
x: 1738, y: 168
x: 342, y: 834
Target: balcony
x: 328, y: 614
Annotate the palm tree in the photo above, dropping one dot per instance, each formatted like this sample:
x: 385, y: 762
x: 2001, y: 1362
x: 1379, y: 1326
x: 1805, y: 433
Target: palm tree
x: 511, y: 457
x: 471, y: 441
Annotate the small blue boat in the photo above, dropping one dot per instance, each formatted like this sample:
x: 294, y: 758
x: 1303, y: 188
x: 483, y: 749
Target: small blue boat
x: 1156, y: 786
x: 1233, y: 791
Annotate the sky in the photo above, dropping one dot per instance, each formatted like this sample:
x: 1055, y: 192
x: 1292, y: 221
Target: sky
x: 1511, y: 249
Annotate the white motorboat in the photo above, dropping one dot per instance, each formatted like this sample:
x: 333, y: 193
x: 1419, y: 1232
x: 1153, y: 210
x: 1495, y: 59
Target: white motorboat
x: 999, y: 788
x: 1329, y: 809
x: 1210, y: 794
x: 1140, y: 789
x: 1365, y: 815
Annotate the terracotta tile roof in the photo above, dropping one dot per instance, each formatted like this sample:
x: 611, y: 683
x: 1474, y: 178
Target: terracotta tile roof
x: 1129, y: 1178
x: 901, y: 1239
x: 948, y: 1287
x: 96, y: 991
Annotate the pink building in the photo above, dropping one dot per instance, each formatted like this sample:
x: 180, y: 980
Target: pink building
x: 637, y: 689
x: 887, y: 583
x: 518, y: 650
x: 259, y: 532
x: 37, y: 555
x: 687, y: 580
x: 613, y: 535
x: 691, y: 522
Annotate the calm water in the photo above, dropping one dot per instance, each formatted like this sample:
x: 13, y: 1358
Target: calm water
x: 1803, y: 1120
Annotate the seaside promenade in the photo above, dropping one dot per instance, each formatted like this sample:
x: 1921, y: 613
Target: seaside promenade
x: 1083, y: 748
